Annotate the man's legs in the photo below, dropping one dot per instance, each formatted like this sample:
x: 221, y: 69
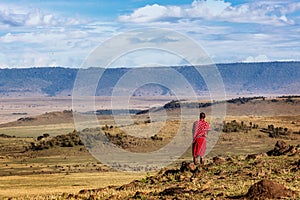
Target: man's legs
x: 202, y: 161
x: 196, y: 160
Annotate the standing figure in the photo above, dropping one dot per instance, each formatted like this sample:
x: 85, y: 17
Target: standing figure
x: 200, y: 130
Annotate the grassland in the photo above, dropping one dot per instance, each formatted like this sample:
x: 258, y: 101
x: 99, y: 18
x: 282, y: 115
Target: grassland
x: 51, y: 171
x: 61, y: 172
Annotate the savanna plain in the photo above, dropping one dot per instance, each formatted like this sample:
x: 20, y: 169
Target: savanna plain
x: 255, y: 153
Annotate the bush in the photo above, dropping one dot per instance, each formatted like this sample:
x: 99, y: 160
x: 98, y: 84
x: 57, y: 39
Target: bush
x: 69, y: 140
x: 235, y: 126
x: 40, y: 137
x: 155, y: 137
x: 275, y: 132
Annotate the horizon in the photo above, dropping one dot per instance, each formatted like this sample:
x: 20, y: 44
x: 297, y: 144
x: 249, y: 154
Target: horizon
x: 56, y: 33
x: 135, y: 67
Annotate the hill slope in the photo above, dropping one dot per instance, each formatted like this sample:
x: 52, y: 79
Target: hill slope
x: 256, y: 176
x: 238, y: 78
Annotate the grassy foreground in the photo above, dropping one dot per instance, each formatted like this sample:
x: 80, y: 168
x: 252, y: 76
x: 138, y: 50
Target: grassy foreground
x: 221, y: 178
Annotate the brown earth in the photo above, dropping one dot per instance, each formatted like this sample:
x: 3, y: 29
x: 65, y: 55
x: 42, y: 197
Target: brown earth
x: 266, y: 189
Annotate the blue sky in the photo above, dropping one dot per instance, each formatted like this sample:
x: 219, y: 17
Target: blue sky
x: 63, y: 33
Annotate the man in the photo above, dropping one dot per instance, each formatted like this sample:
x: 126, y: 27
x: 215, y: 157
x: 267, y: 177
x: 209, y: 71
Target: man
x: 200, y: 130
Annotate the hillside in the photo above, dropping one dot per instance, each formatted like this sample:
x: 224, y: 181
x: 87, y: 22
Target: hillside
x: 238, y: 78
x: 224, y: 178
x: 57, y: 117
x: 70, y: 172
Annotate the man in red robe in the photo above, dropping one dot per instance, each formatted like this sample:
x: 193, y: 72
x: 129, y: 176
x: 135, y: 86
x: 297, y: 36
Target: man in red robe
x: 200, y: 130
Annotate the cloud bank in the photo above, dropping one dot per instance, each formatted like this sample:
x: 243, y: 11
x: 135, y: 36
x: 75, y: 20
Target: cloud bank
x: 227, y: 30
x: 260, y: 12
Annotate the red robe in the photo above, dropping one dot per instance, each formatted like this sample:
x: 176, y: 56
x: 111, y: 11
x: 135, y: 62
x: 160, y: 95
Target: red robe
x: 200, y: 129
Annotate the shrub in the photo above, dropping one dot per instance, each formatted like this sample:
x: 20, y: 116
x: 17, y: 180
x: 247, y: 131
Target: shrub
x: 40, y: 137
x: 156, y: 137
x: 235, y: 126
x: 275, y: 132
x: 69, y: 140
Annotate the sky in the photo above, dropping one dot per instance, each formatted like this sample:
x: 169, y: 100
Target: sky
x: 39, y: 33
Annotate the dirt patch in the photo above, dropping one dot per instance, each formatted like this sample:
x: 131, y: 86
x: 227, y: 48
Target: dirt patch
x: 267, y: 189
x: 282, y: 148
x: 173, y: 191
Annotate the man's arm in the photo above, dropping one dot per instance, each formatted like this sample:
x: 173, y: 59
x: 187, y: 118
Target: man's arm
x: 207, y: 127
x: 194, y: 130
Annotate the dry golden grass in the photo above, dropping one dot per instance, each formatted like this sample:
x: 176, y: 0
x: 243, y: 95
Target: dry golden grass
x: 49, y: 173
x: 35, y: 131
x: 31, y: 186
x: 38, y: 174
x: 138, y: 137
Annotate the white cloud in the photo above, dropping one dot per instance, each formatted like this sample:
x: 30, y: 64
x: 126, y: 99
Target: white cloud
x: 259, y: 58
x: 152, y: 13
x: 31, y: 37
x: 15, y: 16
x: 37, y: 18
x: 34, y: 37
x: 52, y: 46
x: 260, y: 12
x: 206, y: 9
x: 236, y: 39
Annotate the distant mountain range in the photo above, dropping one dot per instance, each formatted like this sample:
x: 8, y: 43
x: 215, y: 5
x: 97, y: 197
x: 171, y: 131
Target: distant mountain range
x: 238, y: 78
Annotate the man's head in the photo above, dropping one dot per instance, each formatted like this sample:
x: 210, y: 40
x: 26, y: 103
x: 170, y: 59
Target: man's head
x: 202, y: 115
